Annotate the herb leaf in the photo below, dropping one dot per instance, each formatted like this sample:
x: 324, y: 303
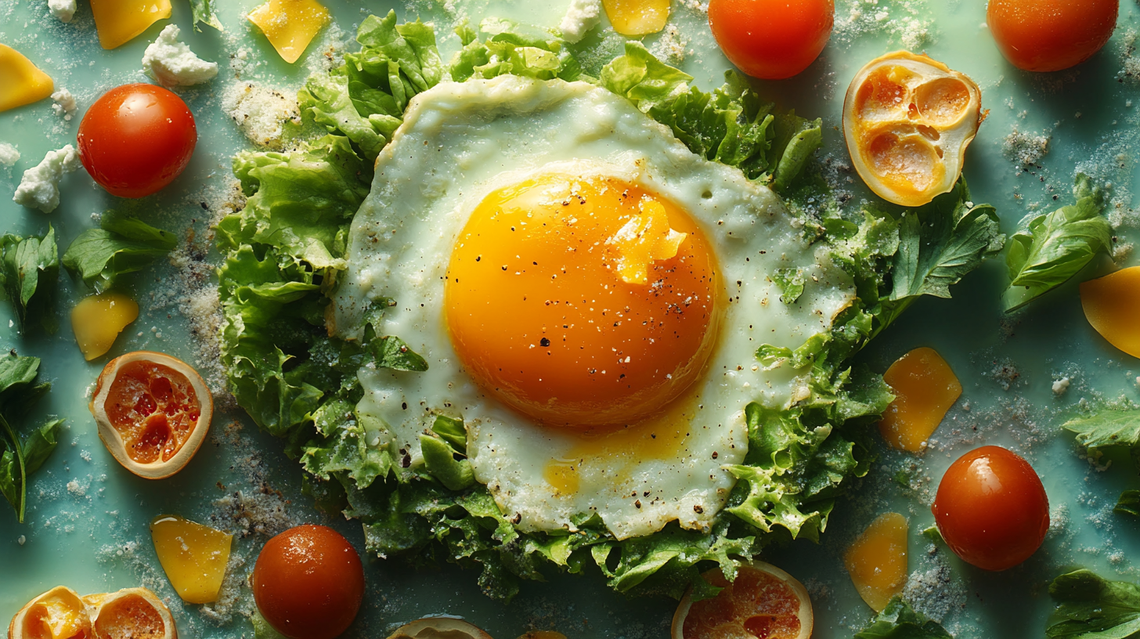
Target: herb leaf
x: 899, y: 621
x: 1129, y: 503
x: 123, y: 245
x: 203, y: 11
x: 1089, y: 607
x: 1107, y: 428
x: 19, y: 457
x: 1054, y: 247
x: 26, y: 262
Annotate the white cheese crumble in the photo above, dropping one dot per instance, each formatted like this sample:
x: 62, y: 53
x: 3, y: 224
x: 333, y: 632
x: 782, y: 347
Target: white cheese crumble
x: 173, y: 64
x: 64, y: 103
x: 1060, y: 386
x: 9, y: 156
x: 39, y: 189
x: 581, y: 16
x: 62, y: 9
x: 260, y: 112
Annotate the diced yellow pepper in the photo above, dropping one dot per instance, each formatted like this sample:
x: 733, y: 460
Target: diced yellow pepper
x: 119, y: 21
x: 1112, y: 306
x: 877, y: 560
x: 925, y: 388
x: 193, y: 556
x: 290, y: 25
x: 21, y: 82
x: 97, y: 320
x: 637, y: 17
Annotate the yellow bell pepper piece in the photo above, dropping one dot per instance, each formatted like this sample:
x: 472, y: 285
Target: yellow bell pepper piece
x: 290, y: 25
x: 119, y: 21
x: 21, y: 82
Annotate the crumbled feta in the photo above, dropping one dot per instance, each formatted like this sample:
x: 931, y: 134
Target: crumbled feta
x: 581, y: 16
x: 173, y: 64
x: 64, y: 103
x: 40, y: 187
x: 9, y: 156
x: 62, y: 9
x: 1060, y: 386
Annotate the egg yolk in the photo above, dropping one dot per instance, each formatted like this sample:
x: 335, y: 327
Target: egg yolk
x: 582, y: 301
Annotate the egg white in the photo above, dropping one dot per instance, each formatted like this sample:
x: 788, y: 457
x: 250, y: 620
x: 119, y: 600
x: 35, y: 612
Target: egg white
x: 461, y: 141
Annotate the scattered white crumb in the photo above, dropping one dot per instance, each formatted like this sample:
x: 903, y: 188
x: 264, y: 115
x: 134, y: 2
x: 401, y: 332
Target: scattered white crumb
x: 39, y: 188
x: 22, y: 540
x: 259, y: 112
x: 62, y: 9
x: 75, y: 488
x: 64, y: 104
x: 581, y: 16
x: 1060, y: 386
x: 671, y: 46
x: 173, y: 64
x: 9, y: 155
x: 1025, y: 148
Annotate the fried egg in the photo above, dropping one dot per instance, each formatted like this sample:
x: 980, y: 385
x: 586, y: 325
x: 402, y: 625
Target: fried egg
x: 589, y: 296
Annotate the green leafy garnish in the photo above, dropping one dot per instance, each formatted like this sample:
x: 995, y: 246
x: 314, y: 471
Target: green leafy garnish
x: 1129, y: 503
x: 20, y: 456
x: 899, y: 621
x: 121, y: 245
x: 1054, y: 247
x: 1112, y: 428
x: 203, y: 11
x: 286, y: 249
x: 1090, y: 607
x: 26, y: 264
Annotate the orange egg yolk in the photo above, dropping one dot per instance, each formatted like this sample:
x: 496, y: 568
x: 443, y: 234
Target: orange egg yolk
x: 582, y: 301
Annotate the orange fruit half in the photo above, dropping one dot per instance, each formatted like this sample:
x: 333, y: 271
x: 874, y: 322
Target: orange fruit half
x: 153, y: 412
x: 439, y: 628
x: 763, y: 601
x: 60, y: 613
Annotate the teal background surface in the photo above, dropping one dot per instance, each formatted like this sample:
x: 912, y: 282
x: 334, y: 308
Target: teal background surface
x: 87, y: 518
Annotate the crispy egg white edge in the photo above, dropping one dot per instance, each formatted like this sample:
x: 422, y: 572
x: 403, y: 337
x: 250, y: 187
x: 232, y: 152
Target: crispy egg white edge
x: 459, y: 142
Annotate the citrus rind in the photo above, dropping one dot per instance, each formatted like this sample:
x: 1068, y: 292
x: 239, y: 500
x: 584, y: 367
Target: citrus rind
x: 113, y: 440
x: 61, y: 613
x: 805, y: 615
x: 907, y: 120
x: 61, y: 609
x: 439, y: 628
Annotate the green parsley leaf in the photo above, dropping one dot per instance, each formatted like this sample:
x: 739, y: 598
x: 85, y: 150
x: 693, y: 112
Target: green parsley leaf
x: 1054, y: 247
x: 1090, y: 607
x: 1107, y: 428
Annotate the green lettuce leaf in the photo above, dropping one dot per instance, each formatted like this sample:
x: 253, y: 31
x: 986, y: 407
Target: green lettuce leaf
x: 1090, y: 607
x: 1107, y: 428
x: 731, y: 125
x: 899, y: 621
x: 203, y: 11
x: 364, y: 100
x: 514, y: 49
x: 1128, y: 503
x: 1052, y: 248
x: 25, y: 264
x: 122, y: 245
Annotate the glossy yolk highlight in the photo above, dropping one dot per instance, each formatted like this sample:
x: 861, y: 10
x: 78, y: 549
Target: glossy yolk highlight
x: 582, y: 302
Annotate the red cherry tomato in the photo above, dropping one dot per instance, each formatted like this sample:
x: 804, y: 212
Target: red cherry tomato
x: 1050, y: 35
x: 771, y: 39
x: 135, y: 139
x: 308, y: 582
x: 991, y: 508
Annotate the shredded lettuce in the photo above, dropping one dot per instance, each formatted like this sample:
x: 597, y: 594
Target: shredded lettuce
x: 121, y: 245
x: 285, y: 250
x: 1052, y: 248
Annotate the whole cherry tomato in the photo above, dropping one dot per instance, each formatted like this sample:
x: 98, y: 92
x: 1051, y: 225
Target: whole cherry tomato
x: 991, y: 508
x: 135, y: 139
x: 771, y: 39
x: 1050, y: 35
x: 308, y: 582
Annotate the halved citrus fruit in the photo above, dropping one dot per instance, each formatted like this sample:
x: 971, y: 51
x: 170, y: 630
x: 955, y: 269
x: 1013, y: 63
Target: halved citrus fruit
x: 439, y: 628
x: 153, y: 412
x: 907, y: 120
x: 763, y: 601
x: 57, y: 614
x: 130, y: 613
x: 60, y: 613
